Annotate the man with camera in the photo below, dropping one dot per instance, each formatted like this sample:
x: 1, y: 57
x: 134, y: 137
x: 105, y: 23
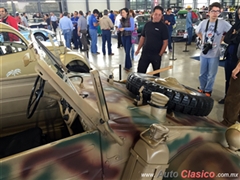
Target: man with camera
x: 211, y: 32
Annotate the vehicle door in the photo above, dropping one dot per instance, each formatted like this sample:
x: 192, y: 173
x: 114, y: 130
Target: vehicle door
x: 12, y: 50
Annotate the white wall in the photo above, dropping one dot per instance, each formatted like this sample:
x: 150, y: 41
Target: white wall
x: 76, y: 5
x: 100, y: 5
x: 116, y: 5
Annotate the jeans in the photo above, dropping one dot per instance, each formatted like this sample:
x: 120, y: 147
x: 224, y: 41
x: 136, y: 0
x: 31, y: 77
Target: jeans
x: 93, y: 34
x: 127, y: 44
x: 49, y: 27
x: 106, y: 37
x: 170, y: 39
x: 208, y: 71
x: 189, y: 31
x: 76, y: 39
x: 132, y: 51
x: 67, y: 36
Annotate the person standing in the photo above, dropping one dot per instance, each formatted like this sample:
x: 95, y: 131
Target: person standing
x: 66, y: 27
x: 169, y: 20
x: 18, y: 18
x: 232, y: 38
x: 153, y: 31
x: 24, y: 20
x: 106, y: 25
x: 211, y: 34
x: 82, y: 31
x: 93, y: 24
x: 189, y: 25
x: 7, y: 19
x: 126, y: 27
x: 112, y: 16
x: 117, y: 24
x: 75, y: 37
x: 54, y: 21
x: 132, y: 14
x: 48, y: 21
x: 231, y: 113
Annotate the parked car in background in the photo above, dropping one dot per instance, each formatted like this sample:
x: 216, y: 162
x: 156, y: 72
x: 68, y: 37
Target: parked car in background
x: 37, y: 23
x: 180, y: 28
x: 228, y: 16
x: 140, y: 21
x: 39, y: 33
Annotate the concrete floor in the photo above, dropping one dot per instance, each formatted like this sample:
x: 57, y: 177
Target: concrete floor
x: 185, y: 69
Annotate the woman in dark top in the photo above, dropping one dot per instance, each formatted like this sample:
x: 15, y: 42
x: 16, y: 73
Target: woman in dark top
x: 126, y: 27
x: 48, y: 21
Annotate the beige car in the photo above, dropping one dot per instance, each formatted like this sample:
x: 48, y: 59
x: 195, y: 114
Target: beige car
x: 13, y: 47
x: 17, y: 76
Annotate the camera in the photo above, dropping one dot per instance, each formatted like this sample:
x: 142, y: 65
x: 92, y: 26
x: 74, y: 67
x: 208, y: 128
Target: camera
x: 206, y: 48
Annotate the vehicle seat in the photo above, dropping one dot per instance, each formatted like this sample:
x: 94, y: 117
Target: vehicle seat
x: 9, y: 49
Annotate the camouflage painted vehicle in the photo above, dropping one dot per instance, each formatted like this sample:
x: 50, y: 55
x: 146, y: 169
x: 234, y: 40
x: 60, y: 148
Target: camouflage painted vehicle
x: 17, y: 76
x: 111, y: 138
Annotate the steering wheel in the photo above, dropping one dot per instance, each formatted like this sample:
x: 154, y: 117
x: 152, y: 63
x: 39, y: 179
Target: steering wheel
x: 33, y: 103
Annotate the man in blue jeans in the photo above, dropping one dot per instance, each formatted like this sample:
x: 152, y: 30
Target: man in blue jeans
x: 189, y: 25
x: 93, y: 24
x: 66, y: 27
x: 169, y: 20
x: 106, y: 25
x: 211, y: 32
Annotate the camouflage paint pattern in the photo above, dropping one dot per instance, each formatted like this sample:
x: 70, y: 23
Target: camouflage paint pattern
x: 195, y: 143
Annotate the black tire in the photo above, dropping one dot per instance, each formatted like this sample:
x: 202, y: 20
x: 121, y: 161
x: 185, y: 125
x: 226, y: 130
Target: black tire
x: 78, y: 66
x: 40, y: 36
x: 197, y: 104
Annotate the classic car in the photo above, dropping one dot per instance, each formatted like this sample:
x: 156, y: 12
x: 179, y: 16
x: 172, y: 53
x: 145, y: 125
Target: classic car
x: 40, y: 33
x: 140, y: 21
x: 111, y: 137
x: 37, y: 23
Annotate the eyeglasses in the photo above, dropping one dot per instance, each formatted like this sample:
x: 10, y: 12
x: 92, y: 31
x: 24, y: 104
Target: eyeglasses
x: 213, y: 11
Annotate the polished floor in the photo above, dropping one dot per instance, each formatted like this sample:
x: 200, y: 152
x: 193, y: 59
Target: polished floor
x: 185, y: 69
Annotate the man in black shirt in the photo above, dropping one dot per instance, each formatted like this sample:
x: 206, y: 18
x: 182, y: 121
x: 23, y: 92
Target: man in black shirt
x: 154, y: 40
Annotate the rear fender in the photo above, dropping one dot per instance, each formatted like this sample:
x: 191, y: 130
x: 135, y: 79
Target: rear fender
x: 74, y: 56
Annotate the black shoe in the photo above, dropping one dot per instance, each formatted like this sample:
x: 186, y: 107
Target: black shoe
x: 188, y: 44
x: 221, y: 101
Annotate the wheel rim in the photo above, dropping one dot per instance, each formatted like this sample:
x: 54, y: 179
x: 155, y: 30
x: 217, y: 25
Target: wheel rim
x: 39, y: 37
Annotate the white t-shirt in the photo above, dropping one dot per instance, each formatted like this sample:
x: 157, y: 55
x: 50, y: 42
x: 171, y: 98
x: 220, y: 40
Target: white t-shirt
x: 222, y: 27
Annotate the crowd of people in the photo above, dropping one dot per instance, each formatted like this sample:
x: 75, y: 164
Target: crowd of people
x: 211, y: 31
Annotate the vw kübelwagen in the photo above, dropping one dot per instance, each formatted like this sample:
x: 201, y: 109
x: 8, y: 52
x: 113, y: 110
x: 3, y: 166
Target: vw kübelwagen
x: 107, y: 134
x: 17, y: 75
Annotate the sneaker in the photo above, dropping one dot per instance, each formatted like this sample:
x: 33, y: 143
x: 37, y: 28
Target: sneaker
x: 208, y: 94
x: 200, y: 90
x: 111, y: 54
x: 221, y: 101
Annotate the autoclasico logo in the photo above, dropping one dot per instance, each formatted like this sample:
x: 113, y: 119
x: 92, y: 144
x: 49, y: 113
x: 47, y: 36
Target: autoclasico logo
x: 191, y: 174
x: 187, y: 174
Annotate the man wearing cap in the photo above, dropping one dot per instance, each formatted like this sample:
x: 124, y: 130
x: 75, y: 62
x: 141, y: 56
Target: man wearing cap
x: 189, y: 24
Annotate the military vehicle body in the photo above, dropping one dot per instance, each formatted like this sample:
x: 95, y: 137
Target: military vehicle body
x: 115, y: 141
x: 17, y: 75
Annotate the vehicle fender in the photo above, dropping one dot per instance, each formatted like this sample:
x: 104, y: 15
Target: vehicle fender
x: 74, y: 56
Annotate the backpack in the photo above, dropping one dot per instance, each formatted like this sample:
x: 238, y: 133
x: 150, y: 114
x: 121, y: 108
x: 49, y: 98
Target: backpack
x: 194, y: 17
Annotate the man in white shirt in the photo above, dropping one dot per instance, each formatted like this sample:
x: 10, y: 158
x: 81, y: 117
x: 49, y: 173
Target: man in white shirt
x: 24, y: 20
x: 116, y: 24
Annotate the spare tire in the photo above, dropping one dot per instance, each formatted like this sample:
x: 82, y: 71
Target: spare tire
x: 193, y: 104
